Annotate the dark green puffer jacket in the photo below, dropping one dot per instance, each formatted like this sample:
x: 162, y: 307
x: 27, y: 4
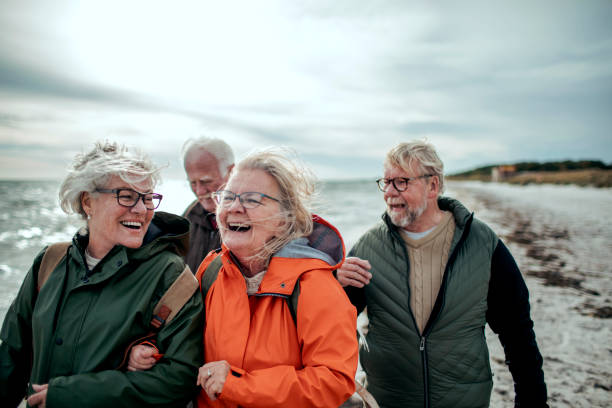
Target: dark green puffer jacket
x: 81, y: 322
x: 448, y: 365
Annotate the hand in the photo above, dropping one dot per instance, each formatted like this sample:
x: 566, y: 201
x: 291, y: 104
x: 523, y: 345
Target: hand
x: 211, y: 377
x: 354, y: 272
x: 141, y: 358
x: 39, y: 398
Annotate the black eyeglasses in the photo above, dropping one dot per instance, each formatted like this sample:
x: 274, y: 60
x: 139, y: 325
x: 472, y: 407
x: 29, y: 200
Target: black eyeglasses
x: 400, y: 183
x: 127, y: 197
x: 250, y: 199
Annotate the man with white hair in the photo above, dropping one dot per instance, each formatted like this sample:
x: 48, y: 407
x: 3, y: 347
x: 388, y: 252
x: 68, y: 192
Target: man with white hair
x: 431, y: 276
x: 208, y: 163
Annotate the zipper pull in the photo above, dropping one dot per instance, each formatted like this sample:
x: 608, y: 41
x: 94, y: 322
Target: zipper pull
x: 422, y: 345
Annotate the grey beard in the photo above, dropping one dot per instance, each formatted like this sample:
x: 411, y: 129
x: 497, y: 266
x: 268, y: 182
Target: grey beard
x: 409, y: 217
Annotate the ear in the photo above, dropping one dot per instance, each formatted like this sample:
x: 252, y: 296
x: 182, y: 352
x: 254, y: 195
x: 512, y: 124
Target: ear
x: 86, y: 202
x: 433, y: 188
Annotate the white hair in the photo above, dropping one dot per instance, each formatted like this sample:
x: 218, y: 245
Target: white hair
x: 92, y: 170
x: 427, y: 160
x: 217, y: 147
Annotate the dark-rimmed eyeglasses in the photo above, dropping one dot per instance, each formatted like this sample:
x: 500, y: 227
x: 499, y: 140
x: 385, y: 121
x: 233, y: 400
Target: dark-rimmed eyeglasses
x: 126, y: 197
x: 400, y: 183
x: 250, y: 199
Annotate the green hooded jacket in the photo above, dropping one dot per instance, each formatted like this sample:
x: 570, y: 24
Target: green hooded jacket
x: 73, y: 334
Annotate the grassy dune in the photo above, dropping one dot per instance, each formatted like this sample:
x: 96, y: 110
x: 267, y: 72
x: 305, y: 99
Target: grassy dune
x: 586, y: 177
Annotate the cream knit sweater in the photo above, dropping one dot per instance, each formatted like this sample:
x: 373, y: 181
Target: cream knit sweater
x: 428, y: 256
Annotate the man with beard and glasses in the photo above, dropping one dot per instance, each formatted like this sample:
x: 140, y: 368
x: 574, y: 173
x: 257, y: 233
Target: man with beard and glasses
x: 431, y: 276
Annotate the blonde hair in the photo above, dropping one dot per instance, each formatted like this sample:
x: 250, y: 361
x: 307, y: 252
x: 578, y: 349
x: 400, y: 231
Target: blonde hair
x: 297, y: 189
x: 424, y: 154
x: 92, y: 170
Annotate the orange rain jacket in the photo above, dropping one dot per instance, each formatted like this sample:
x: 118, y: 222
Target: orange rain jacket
x: 276, y: 362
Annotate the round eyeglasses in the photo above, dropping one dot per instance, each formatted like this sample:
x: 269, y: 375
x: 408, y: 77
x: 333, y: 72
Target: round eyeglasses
x: 250, y: 199
x: 400, y: 183
x: 126, y: 197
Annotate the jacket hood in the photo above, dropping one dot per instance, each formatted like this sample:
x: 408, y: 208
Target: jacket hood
x: 166, y: 232
x: 323, y: 250
x: 324, y: 243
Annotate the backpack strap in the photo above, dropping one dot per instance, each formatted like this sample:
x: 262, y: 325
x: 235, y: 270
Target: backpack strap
x: 292, y: 301
x: 174, y: 299
x: 164, y: 311
x: 210, y: 275
x: 51, y: 258
x: 212, y: 271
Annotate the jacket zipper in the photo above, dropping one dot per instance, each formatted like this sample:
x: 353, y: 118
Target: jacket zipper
x: 425, y: 370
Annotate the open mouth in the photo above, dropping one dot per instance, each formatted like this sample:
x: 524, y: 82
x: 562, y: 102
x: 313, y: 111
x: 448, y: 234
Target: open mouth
x: 396, y: 206
x: 238, y: 227
x: 132, y: 224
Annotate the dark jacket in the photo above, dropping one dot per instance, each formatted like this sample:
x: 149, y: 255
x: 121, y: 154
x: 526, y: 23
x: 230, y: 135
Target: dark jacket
x: 203, y: 235
x: 74, y: 332
x: 448, y: 364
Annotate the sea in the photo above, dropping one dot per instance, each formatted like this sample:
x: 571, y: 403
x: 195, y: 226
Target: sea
x: 561, y: 237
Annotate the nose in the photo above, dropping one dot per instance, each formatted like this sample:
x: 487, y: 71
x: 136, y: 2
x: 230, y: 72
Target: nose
x: 391, y: 191
x: 139, y: 208
x: 236, y: 205
x: 201, y: 188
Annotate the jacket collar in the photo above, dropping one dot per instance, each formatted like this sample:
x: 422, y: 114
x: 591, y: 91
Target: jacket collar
x: 323, y: 249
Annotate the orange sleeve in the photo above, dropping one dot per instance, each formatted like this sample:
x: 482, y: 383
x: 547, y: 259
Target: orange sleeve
x: 326, y: 328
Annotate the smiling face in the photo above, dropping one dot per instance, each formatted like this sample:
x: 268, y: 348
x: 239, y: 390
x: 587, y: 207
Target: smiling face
x: 245, y: 231
x: 406, y: 208
x: 204, y: 177
x: 111, y: 224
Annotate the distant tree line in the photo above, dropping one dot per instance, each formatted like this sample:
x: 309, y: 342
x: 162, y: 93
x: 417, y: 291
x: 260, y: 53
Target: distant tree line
x: 537, y: 166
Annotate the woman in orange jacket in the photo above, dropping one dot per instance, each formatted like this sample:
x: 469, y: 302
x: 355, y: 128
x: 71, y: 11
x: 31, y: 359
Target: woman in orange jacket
x: 258, y: 351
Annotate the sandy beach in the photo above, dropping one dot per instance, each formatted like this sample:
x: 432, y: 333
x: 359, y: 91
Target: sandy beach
x: 559, y: 235
x: 566, y: 263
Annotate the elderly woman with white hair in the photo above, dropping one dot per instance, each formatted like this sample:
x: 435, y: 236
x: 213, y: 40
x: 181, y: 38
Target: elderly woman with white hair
x: 279, y: 329
x: 67, y: 336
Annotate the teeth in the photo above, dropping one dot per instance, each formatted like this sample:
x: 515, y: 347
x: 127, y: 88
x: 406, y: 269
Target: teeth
x: 238, y: 226
x: 131, y: 224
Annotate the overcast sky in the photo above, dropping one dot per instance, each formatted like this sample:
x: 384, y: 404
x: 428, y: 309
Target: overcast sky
x: 341, y: 82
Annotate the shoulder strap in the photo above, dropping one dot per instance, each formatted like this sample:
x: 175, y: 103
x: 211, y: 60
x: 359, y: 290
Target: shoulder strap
x: 52, y: 257
x: 174, y: 299
x: 210, y: 275
x: 292, y: 301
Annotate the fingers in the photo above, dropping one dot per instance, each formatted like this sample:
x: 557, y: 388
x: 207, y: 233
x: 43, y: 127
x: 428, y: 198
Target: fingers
x: 354, y: 272
x: 141, y: 358
x: 40, y: 397
x: 39, y: 388
x: 363, y: 263
x: 211, y: 377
